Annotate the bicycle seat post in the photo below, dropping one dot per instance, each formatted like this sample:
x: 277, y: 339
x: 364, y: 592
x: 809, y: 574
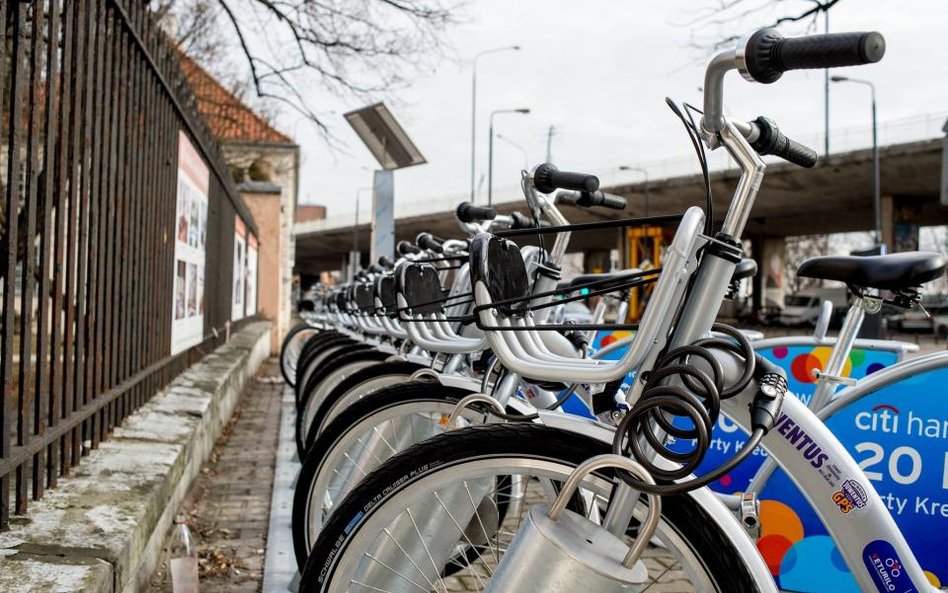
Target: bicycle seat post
x: 831, y: 376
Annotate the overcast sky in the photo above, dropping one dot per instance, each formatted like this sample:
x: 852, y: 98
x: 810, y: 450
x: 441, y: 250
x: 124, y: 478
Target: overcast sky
x: 598, y: 71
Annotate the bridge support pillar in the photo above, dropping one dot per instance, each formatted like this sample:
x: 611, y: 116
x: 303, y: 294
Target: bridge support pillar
x: 771, y: 279
x: 903, y: 216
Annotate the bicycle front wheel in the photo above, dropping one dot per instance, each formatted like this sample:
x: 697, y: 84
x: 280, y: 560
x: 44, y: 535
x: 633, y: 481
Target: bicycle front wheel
x: 363, y: 437
x: 291, y: 348
x: 402, y: 527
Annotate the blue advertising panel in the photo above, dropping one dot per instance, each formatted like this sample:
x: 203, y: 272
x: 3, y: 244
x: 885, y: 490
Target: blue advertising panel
x: 899, y: 436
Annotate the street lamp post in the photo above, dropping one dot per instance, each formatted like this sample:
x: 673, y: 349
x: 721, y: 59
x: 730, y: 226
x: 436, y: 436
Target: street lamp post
x: 474, y: 106
x: 355, y: 227
x: 643, y: 172
x: 490, y: 151
x: 526, y: 159
x: 826, y: 91
x: 876, y: 189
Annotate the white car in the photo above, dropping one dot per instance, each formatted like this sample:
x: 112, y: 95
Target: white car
x: 804, y: 307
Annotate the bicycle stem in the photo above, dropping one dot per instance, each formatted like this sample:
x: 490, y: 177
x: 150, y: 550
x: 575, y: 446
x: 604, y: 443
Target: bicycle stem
x: 543, y: 208
x: 717, y: 265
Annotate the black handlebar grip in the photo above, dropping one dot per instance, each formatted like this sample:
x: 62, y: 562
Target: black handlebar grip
x: 386, y: 262
x: 590, y: 199
x: 468, y: 212
x: 599, y: 198
x: 772, y: 141
x: 405, y: 248
x: 376, y: 269
x: 768, y: 54
x: 567, y: 197
x: 430, y: 242
x: 613, y: 201
x: 796, y: 153
x: 547, y: 178
x: 520, y: 221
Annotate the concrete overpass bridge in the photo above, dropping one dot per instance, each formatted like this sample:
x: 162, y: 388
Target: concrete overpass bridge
x: 835, y: 196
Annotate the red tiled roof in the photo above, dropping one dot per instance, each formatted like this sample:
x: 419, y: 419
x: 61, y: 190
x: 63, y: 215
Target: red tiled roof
x: 227, y: 115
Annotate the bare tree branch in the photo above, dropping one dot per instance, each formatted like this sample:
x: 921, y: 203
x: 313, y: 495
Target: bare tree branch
x: 291, y: 51
x: 721, y: 23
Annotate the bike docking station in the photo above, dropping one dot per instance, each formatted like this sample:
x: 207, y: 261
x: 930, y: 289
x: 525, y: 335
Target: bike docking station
x: 584, y: 555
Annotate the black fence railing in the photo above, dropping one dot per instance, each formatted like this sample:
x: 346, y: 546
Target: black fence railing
x: 117, y: 231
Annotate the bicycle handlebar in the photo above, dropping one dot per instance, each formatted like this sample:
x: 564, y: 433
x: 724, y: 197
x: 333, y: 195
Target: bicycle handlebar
x: 768, y: 54
x: 547, y: 178
x: 405, y: 248
x: 601, y: 198
x: 589, y: 199
x: 772, y: 141
x: 429, y: 241
x: 519, y: 221
x: 468, y: 212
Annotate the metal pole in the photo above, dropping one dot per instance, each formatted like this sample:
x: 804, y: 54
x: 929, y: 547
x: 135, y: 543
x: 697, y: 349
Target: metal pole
x: 646, y: 194
x: 549, y: 145
x: 355, y: 228
x: 876, y: 186
x: 473, y: 123
x: 876, y: 189
x: 826, y: 94
x: 490, y: 163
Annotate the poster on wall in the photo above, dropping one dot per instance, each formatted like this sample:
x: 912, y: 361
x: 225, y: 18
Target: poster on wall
x: 251, y: 300
x: 187, y: 313
x: 240, y: 269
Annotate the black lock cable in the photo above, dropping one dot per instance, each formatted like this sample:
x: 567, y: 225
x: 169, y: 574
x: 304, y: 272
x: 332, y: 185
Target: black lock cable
x: 696, y: 396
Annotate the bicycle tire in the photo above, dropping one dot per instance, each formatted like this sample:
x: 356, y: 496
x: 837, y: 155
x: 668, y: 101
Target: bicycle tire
x: 288, y: 368
x: 339, y: 429
x: 454, y: 453
x: 311, y: 350
x: 328, y: 352
x: 327, y: 410
x: 346, y: 361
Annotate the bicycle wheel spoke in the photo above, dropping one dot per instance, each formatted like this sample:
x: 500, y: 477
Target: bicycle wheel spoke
x: 356, y: 465
x: 461, y: 529
x: 376, y: 430
x: 480, y: 520
x: 410, y: 559
x: 427, y: 551
x: 395, y: 572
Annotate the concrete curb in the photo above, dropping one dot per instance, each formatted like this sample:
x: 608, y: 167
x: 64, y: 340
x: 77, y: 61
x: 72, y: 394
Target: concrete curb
x: 103, y: 528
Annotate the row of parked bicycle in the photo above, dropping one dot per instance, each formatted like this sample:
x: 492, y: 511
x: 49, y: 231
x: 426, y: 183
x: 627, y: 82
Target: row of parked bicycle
x: 456, y: 434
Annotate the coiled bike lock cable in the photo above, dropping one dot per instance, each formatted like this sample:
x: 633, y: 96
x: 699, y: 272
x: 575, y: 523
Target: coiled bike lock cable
x: 643, y: 431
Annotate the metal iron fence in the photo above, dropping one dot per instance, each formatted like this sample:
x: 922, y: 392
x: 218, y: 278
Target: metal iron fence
x: 93, y: 102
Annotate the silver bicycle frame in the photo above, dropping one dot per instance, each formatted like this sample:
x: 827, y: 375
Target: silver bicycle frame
x: 827, y: 467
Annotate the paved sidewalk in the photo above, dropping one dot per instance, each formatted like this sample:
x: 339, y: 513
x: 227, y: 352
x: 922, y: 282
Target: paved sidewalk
x: 229, y: 504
